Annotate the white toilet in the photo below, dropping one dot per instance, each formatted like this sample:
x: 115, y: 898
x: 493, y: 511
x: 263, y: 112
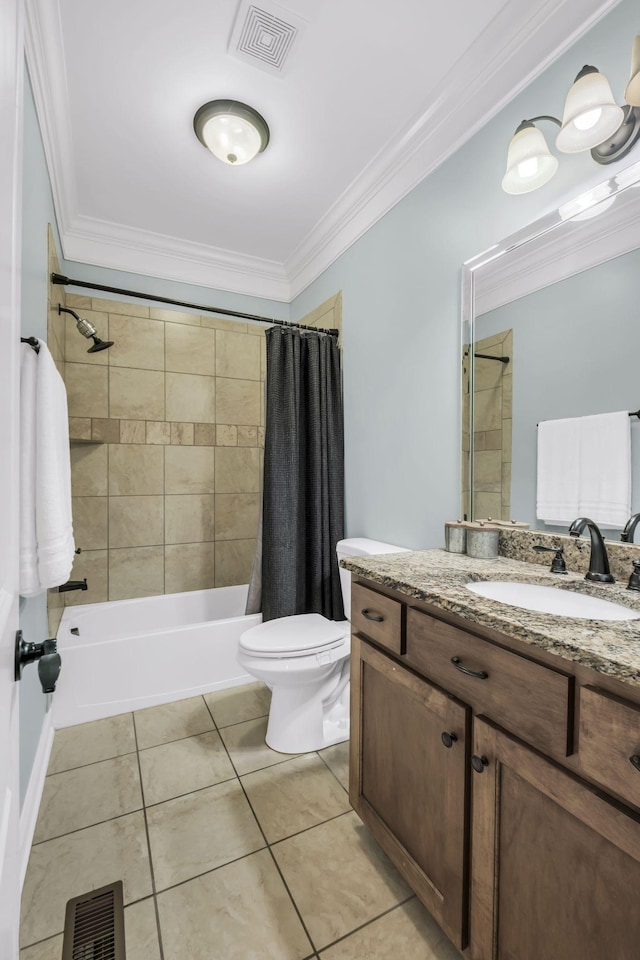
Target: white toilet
x: 305, y: 661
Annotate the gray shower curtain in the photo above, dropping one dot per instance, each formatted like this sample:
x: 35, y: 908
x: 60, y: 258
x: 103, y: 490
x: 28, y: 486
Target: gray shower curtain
x: 303, y: 498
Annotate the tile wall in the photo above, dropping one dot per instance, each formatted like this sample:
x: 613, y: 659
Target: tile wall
x: 492, y: 423
x: 167, y: 431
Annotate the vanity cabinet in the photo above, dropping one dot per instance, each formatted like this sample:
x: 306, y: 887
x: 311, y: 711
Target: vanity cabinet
x: 555, y: 870
x: 505, y: 788
x: 409, y: 781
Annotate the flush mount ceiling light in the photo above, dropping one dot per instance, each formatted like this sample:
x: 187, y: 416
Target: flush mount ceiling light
x: 234, y: 132
x: 592, y: 120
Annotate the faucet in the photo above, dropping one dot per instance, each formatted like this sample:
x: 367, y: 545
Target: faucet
x: 598, y: 561
x: 627, y: 534
x: 73, y: 585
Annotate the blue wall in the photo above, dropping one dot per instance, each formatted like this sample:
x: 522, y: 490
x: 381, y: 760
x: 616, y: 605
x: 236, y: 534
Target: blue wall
x: 401, y: 303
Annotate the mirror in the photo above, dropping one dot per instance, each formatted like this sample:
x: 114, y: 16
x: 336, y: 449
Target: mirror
x: 550, y: 329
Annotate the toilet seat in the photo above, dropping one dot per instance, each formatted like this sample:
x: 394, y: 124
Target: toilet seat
x: 298, y: 636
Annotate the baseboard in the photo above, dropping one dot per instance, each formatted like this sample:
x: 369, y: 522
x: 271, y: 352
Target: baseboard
x: 31, y: 805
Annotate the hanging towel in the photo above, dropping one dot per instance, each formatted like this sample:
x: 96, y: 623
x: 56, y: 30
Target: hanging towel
x: 558, y: 471
x: 29, y: 583
x: 46, y: 481
x: 605, y: 469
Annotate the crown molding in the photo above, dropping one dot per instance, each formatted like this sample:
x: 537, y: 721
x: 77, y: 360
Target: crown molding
x: 105, y: 244
x: 492, y: 69
x: 483, y: 81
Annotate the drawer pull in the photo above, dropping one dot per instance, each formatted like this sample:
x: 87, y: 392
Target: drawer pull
x: 448, y: 739
x: 635, y: 760
x: 478, y: 674
x: 479, y: 763
x: 372, y: 616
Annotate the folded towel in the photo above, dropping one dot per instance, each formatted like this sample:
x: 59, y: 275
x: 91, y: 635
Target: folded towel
x: 29, y: 583
x: 605, y: 469
x: 46, y: 480
x: 558, y: 471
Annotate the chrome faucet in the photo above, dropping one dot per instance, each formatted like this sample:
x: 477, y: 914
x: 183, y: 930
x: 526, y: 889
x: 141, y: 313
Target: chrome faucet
x: 627, y: 534
x: 598, y: 561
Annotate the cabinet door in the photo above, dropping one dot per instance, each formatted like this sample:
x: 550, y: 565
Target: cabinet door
x: 406, y: 784
x: 555, y: 866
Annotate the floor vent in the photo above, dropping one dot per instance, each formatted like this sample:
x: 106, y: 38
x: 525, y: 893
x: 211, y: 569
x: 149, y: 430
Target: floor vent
x: 264, y: 35
x: 94, y: 925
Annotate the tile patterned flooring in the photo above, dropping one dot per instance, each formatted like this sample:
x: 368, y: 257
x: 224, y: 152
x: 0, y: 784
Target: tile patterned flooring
x: 227, y: 850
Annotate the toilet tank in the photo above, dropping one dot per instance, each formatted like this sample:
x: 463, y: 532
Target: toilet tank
x: 359, y: 547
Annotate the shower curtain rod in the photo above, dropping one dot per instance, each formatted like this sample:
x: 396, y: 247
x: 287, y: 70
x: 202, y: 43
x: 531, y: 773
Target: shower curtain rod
x: 65, y: 281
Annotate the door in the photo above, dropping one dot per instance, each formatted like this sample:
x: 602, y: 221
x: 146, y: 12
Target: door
x: 407, y: 779
x: 11, y: 67
x: 555, y: 866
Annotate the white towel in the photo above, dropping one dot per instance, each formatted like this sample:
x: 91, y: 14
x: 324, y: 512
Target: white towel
x: 558, y: 471
x: 584, y: 470
x: 29, y: 583
x: 605, y: 469
x: 46, y: 481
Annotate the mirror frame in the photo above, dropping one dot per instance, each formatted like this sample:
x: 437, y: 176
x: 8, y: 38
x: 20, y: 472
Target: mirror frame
x: 505, y: 260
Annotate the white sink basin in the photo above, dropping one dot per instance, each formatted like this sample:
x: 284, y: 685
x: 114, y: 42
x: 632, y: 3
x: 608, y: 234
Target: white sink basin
x: 562, y: 603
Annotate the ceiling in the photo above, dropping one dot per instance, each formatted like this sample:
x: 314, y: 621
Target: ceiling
x: 371, y: 97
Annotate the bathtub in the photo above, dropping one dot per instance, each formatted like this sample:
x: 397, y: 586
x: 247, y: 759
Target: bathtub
x: 131, y: 654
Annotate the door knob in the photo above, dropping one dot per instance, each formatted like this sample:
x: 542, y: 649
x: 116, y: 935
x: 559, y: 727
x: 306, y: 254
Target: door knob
x: 448, y: 739
x: 46, y: 653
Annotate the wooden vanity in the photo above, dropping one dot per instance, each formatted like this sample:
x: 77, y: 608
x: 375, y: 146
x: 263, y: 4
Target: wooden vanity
x: 501, y: 779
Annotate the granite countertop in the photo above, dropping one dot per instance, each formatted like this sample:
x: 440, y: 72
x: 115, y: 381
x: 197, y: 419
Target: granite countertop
x: 439, y: 578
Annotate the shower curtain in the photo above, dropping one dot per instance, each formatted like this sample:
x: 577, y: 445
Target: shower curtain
x: 303, y: 494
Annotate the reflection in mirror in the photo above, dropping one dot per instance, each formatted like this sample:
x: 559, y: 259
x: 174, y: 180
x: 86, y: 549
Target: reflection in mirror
x: 561, y: 301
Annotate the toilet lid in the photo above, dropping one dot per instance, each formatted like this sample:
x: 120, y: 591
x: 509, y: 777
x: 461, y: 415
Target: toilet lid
x: 287, y: 636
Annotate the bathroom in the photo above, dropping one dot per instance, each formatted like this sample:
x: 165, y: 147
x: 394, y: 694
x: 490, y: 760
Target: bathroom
x: 391, y: 280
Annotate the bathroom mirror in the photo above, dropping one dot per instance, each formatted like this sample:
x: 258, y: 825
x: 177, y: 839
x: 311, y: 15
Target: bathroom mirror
x: 550, y: 329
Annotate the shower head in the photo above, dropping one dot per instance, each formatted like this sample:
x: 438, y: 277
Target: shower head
x: 87, y: 330
x: 99, y: 344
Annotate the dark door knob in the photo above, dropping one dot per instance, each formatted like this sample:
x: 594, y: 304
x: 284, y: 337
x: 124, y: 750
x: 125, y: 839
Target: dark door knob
x: 448, y: 739
x: 479, y: 763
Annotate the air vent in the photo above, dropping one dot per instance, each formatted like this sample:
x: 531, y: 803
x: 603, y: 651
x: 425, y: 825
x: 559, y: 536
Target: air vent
x: 94, y: 925
x: 264, y: 36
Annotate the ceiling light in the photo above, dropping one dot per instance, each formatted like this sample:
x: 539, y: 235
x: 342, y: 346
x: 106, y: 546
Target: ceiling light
x: 234, y: 132
x: 529, y: 161
x: 632, y: 92
x: 592, y: 120
x: 591, y: 115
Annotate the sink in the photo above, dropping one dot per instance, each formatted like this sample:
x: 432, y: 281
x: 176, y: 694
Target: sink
x: 562, y: 603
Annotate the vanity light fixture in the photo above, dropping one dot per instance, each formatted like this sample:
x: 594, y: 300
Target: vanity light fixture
x: 233, y: 131
x: 591, y: 120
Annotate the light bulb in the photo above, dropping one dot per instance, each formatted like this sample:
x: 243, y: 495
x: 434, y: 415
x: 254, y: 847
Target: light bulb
x: 589, y: 119
x: 528, y: 168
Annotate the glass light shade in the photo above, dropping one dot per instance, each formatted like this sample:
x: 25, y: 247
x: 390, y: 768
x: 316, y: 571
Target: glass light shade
x: 591, y: 115
x: 632, y: 93
x: 232, y: 131
x: 529, y: 162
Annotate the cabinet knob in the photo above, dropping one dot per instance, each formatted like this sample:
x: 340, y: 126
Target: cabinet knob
x: 635, y: 760
x: 448, y: 739
x: 479, y: 763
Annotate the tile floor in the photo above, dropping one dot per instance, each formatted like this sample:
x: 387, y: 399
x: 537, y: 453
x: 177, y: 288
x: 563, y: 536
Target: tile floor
x: 227, y: 850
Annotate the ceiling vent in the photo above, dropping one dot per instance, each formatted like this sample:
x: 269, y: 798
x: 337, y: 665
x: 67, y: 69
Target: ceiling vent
x: 264, y: 36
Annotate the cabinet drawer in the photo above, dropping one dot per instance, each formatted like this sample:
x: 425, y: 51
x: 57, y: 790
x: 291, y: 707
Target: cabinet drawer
x: 526, y: 697
x: 377, y: 617
x: 609, y: 738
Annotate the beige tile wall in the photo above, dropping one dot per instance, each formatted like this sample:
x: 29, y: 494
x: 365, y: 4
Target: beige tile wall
x: 492, y: 425
x: 167, y: 428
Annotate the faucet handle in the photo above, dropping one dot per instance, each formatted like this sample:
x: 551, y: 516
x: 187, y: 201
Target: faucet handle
x: 557, y: 564
x: 634, y: 579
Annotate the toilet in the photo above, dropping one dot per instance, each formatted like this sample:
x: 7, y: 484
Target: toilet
x: 305, y: 661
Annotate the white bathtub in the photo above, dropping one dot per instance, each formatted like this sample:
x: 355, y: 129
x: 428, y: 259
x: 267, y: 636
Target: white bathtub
x: 131, y: 654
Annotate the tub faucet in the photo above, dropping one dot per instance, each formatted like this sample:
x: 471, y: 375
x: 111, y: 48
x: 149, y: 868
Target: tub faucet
x: 598, y: 561
x: 73, y: 585
x: 627, y: 534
